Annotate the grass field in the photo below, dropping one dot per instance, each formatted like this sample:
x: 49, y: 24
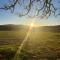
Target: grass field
x: 39, y: 45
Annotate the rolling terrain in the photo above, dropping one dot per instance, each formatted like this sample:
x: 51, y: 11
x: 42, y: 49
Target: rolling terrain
x: 42, y: 44
x: 14, y: 34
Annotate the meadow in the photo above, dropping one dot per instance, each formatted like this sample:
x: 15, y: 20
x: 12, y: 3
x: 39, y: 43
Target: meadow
x: 40, y: 45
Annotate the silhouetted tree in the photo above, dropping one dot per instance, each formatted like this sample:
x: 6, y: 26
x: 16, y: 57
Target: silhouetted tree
x: 41, y: 8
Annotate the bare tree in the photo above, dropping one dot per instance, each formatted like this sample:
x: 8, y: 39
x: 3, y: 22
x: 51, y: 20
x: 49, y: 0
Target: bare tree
x: 41, y: 8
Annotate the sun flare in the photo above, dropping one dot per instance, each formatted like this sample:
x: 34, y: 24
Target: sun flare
x: 32, y: 25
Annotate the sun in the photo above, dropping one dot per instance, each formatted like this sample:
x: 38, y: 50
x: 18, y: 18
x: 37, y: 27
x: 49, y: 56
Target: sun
x: 32, y: 25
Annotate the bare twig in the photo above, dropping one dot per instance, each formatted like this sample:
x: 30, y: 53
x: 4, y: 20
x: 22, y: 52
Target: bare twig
x: 47, y: 7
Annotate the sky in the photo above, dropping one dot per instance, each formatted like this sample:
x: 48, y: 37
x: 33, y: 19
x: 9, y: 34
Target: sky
x: 6, y: 17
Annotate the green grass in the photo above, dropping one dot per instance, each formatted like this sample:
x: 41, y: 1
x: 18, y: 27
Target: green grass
x: 12, y: 34
x: 38, y: 45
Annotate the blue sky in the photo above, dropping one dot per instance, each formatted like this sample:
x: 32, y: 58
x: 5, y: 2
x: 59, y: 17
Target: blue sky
x: 6, y: 17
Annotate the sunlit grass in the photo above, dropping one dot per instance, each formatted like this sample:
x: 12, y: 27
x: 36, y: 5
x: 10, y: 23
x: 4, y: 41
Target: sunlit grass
x: 16, y: 57
x: 36, y: 43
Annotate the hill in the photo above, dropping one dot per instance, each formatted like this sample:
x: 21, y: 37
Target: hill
x: 50, y: 28
x: 15, y: 34
x: 12, y: 27
x: 42, y: 42
x: 25, y: 28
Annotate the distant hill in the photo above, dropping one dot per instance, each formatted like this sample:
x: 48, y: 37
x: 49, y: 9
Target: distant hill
x: 50, y: 28
x: 15, y: 34
x: 12, y: 27
x: 25, y: 27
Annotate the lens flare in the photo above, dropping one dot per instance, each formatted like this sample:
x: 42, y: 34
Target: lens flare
x: 32, y: 25
x: 17, y: 57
